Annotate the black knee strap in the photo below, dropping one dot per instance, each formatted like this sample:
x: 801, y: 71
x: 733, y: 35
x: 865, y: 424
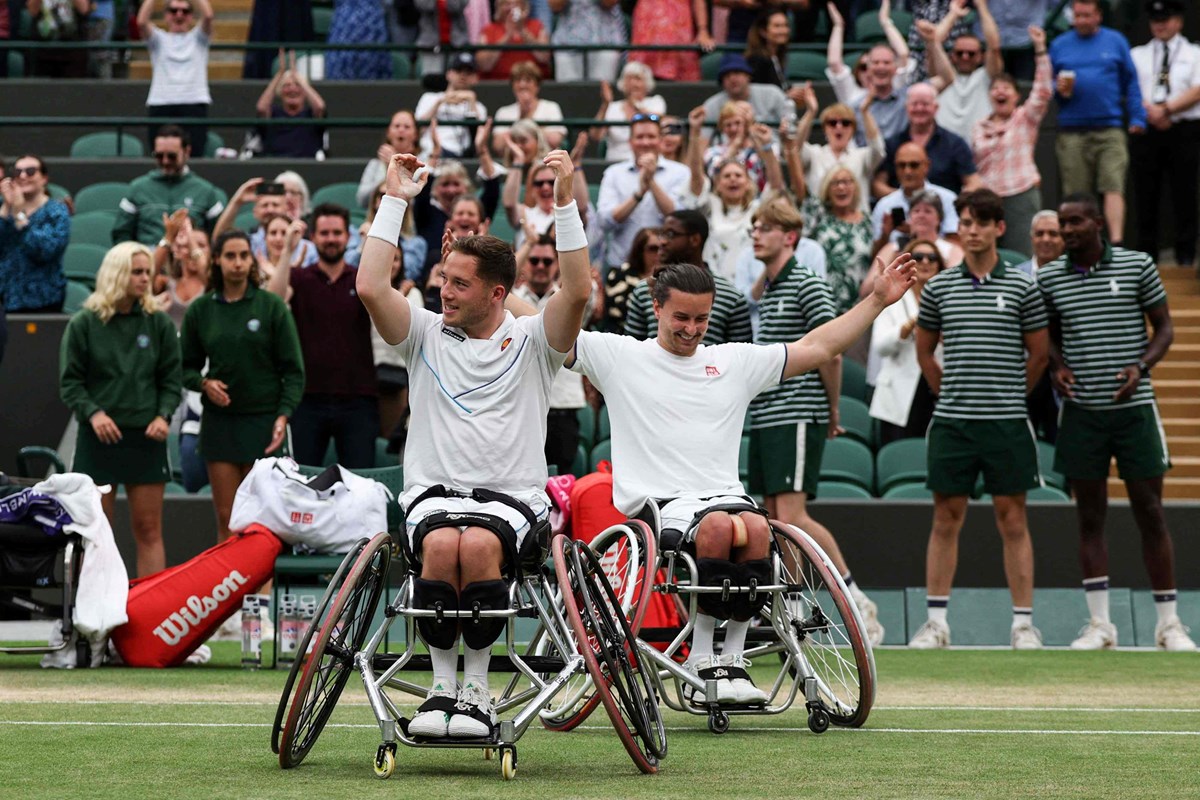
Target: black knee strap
x: 714, y: 572
x: 436, y: 595
x: 750, y: 573
x: 483, y: 596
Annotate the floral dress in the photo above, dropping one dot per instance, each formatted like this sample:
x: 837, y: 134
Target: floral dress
x: 666, y: 22
x: 847, y: 250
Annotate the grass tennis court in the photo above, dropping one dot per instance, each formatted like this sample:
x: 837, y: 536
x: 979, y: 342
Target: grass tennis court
x: 983, y: 723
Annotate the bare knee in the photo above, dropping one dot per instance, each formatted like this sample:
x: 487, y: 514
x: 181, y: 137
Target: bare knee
x: 1010, y: 516
x: 948, y: 515
x: 714, y: 536
x: 439, y: 552
x: 758, y: 535
x: 480, y: 555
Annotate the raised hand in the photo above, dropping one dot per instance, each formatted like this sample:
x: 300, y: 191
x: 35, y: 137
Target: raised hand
x: 385, y: 153
x: 406, y: 176
x: 173, y: 225
x: 581, y: 143
x: 295, y: 232
x: 895, y: 279
x: 560, y: 162
x: 885, y: 11
x: 246, y: 192
x: 926, y: 29
x: 606, y: 93
x: 696, y: 118
x: 516, y: 153
x: 1038, y: 37
x: 448, y: 240
x: 761, y: 135
x: 483, y: 135
x: 835, y: 17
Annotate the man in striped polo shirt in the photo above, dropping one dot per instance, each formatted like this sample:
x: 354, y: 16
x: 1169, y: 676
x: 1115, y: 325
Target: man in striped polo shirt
x: 992, y: 323
x: 684, y: 233
x: 790, y: 422
x: 1098, y: 297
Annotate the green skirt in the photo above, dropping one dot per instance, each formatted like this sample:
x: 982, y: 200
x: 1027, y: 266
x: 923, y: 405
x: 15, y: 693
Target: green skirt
x: 135, y: 459
x: 235, y: 438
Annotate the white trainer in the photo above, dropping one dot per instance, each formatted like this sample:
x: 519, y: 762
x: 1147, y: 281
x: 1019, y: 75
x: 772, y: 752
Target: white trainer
x: 932, y: 635
x: 475, y: 713
x: 433, y: 716
x: 870, y: 615
x: 268, y: 627
x: 744, y: 690
x: 1026, y: 637
x: 1096, y: 635
x: 1171, y: 635
x: 707, y: 668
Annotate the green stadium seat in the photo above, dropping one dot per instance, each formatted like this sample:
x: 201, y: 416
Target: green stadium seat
x: 58, y: 192
x: 709, y: 64
x: 806, y: 65
x: 402, y: 66
x: 579, y: 467
x: 212, y: 143
x: 76, y: 293
x: 867, y: 29
x: 908, y: 491
x: 1012, y: 258
x: 245, y: 219
x: 603, y: 430
x: 1046, y: 464
x: 104, y: 145
x: 1046, y: 494
x: 850, y: 461
x: 382, y: 457
x: 16, y: 64
x: 900, y: 462
x: 174, y: 488
x: 601, y: 452
x: 81, y: 261
x: 340, y: 193
x: 841, y: 490
x: 587, y: 426
x: 855, y: 417
x: 93, y: 227
x: 103, y: 196
x: 854, y: 380
x: 321, y: 18
x: 501, y: 228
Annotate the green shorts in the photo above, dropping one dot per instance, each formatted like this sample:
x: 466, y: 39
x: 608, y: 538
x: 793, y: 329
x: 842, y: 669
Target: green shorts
x: 234, y: 438
x: 787, y: 458
x: 133, y: 460
x: 1004, y: 450
x: 1092, y: 161
x: 1088, y: 440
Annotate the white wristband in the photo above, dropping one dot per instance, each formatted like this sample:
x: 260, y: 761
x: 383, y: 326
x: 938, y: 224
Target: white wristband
x: 568, y: 228
x: 388, y: 219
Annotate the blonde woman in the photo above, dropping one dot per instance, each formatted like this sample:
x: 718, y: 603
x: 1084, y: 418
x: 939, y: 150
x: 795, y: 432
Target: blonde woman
x: 120, y: 376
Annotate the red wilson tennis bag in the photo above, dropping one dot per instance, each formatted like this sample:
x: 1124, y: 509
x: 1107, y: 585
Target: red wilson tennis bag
x: 174, y: 611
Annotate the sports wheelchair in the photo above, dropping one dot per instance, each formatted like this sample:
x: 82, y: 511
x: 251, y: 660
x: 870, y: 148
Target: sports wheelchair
x: 810, y: 623
x: 583, y: 605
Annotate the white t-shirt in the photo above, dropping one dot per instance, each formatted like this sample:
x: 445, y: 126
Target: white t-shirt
x: 676, y: 421
x: 546, y: 111
x: 965, y: 102
x: 456, y: 139
x: 478, y: 407
x: 179, y: 64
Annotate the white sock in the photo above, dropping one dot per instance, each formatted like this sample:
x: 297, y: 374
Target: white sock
x: 937, y: 608
x: 702, y: 637
x: 445, y: 666
x: 1164, y: 604
x: 475, y: 665
x: 735, y: 637
x: 1095, y: 591
x: 1022, y: 616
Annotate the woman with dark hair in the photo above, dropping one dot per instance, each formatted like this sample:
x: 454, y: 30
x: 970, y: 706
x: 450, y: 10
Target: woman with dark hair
x: 766, y: 47
x: 34, y: 231
x: 641, y: 263
x: 400, y: 137
x: 255, y: 370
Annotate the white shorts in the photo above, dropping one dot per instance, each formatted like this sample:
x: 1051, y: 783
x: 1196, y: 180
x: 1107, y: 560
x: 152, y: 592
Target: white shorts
x: 677, y: 514
x: 465, y: 505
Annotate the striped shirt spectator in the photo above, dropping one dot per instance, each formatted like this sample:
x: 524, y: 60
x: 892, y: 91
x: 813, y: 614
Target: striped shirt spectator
x: 729, y: 321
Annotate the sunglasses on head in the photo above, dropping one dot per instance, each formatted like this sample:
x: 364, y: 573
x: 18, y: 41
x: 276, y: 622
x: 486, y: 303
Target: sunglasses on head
x: 168, y: 157
x: 924, y: 257
x: 645, y: 118
x: 840, y: 123
x: 673, y: 129
x: 28, y: 172
x: 544, y: 182
x: 541, y: 261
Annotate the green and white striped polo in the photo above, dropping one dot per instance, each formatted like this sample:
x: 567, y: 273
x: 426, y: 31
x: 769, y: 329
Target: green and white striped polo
x: 728, y: 322
x: 982, y: 323
x: 797, y: 301
x: 1103, y: 316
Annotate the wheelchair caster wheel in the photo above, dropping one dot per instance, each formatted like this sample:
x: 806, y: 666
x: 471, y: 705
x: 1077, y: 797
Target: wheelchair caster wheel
x: 508, y: 763
x: 488, y: 754
x: 385, y: 761
x: 818, y: 720
x: 718, y: 722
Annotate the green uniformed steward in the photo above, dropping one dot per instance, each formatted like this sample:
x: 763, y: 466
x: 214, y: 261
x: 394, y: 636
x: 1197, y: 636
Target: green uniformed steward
x: 140, y: 212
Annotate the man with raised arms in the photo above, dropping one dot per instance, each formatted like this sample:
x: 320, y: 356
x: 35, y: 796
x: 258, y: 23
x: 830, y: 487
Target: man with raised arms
x: 479, y: 388
x: 676, y: 407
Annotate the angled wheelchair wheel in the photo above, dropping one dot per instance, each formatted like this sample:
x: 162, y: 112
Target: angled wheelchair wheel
x: 327, y: 666
x: 609, y: 650
x: 825, y: 622
x: 626, y: 553
x: 335, y: 585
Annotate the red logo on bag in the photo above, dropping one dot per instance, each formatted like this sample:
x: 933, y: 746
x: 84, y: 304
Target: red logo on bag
x: 299, y: 518
x: 711, y: 371
x: 307, y: 520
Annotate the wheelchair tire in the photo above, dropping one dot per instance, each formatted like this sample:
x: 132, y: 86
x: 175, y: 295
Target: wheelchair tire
x: 627, y: 552
x: 609, y: 650
x: 328, y: 665
x: 832, y: 636
x: 335, y: 583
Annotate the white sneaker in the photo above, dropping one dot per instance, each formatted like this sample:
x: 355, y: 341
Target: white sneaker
x: 931, y: 636
x: 744, y: 690
x: 201, y: 655
x: 870, y: 615
x: 475, y: 713
x: 1096, y: 635
x: 433, y: 716
x: 1026, y: 637
x: 1172, y: 636
x: 690, y: 694
x: 268, y: 627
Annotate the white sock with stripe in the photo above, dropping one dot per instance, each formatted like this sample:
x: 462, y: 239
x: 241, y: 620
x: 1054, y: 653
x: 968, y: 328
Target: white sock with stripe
x: 1095, y: 591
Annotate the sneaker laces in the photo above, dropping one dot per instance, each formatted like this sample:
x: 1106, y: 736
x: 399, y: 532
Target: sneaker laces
x: 476, y: 696
x: 735, y: 660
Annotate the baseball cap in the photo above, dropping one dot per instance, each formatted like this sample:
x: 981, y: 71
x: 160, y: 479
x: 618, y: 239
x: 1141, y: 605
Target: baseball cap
x: 462, y: 61
x: 733, y: 62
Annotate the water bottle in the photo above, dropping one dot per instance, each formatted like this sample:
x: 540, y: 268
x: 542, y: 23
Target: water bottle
x: 251, y: 633
x: 289, y: 629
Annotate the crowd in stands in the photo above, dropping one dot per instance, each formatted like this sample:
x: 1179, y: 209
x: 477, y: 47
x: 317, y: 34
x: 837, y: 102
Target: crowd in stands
x: 923, y: 126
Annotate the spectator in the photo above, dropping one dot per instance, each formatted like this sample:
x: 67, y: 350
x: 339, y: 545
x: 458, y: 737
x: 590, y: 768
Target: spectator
x: 684, y: 236
x: 838, y: 123
x: 837, y: 222
x: 1004, y: 144
x: 732, y: 142
x: 636, y: 83
x: 275, y: 21
x: 1099, y: 324
x: 400, y: 137
x: 671, y: 22
x: 433, y: 206
x: 744, y: 14
x: 512, y: 25
x: 289, y: 95
x: 993, y: 325
x: 270, y: 200
x: 181, y: 268
x: 925, y: 15
x: 926, y: 213
x: 1168, y: 69
x: 1013, y: 18
x: 730, y: 198
x: 850, y: 89
x: 912, y: 166
x: 769, y: 103
x: 526, y: 137
x: 964, y: 102
x: 1041, y: 403
x: 621, y: 281
x: 58, y: 21
x: 903, y: 402
x: 179, y: 65
x: 274, y: 228
x: 640, y: 192
x: 1091, y: 146
x: 951, y: 164
x: 414, y: 247
x: 587, y: 22
x: 173, y: 185
x: 255, y: 372
x: 119, y: 373
x: 99, y: 28
x: 526, y: 81
x: 297, y: 199
x: 671, y: 144
x: 456, y: 103
x: 766, y: 48
x: 540, y: 191
x: 442, y: 26
x: 358, y: 22
x: 34, y: 231
x: 340, y: 399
